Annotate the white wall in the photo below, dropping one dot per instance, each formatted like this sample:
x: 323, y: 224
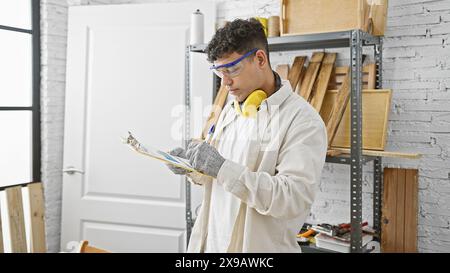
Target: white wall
x: 416, y: 65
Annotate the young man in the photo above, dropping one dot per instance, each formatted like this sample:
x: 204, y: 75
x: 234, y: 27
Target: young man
x: 262, y: 172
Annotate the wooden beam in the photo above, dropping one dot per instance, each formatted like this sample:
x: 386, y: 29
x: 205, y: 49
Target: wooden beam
x: 381, y: 153
x: 218, y: 105
x: 339, y: 106
x: 321, y: 84
x: 283, y: 71
x: 295, y: 74
x: 339, y: 73
x: 399, y: 210
x: 16, y: 220
x: 310, y: 75
x: 388, y: 212
x: 411, y: 205
x: 37, y: 218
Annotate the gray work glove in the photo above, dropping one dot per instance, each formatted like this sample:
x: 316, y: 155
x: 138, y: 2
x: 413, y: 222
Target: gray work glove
x: 204, y: 158
x: 180, y: 152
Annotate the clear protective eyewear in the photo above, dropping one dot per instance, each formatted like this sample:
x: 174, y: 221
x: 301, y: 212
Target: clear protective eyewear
x: 233, y: 68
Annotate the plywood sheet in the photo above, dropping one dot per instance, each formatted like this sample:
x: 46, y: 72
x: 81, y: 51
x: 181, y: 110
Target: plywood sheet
x: 399, y: 210
x: 376, y: 106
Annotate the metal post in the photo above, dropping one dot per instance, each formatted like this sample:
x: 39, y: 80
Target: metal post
x: 377, y: 187
x: 36, y: 37
x: 356, y: 141
x: 187, y: 120
x: 377, y: 164
x: 379, y: 64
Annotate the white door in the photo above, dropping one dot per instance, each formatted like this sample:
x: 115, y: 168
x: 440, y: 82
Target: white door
x: 126, y: 71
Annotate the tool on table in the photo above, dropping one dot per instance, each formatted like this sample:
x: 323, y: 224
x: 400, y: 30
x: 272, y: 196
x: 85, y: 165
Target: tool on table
x: 346, y: 227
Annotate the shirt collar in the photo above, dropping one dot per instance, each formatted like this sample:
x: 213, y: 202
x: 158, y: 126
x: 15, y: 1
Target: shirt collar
x: 275, y: 98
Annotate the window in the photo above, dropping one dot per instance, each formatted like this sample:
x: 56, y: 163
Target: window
x: 20, y: 149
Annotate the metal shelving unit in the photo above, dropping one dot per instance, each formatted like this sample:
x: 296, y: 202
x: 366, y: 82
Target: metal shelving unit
x: 355, y: 40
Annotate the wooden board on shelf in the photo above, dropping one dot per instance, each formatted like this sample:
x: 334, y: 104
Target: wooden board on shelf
x: 378, y: 16
x: 283, y: 71
x: 296, y: 71
x: 339, y: 73
x: 399, y: 210
x: 321, y: 84
x: 306, y: 86
x: 337, y: 109
x: 379, y: 153
x: 16, y: 219
x: 218, y: 105
x: 376, y: 105
x: 334, y: 153
x: 37, y: 211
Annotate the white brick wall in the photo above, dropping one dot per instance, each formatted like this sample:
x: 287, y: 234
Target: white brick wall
x: 416, y: 66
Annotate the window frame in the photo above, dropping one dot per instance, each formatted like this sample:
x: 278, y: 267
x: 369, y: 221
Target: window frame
x: 35, y: 108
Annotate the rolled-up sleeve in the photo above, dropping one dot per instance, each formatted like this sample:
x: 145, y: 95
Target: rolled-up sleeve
x: 291, y: 191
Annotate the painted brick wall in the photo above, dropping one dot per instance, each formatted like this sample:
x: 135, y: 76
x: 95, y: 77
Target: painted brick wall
x: 416, y: 66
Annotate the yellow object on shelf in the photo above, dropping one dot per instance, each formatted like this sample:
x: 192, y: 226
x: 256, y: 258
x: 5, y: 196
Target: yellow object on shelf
x: 263, y: 22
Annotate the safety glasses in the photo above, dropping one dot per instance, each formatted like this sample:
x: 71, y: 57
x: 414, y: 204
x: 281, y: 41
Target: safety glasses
x: 233, y: 68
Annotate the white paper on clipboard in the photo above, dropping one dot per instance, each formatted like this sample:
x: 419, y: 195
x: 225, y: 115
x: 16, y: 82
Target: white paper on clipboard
x: 135, y: 145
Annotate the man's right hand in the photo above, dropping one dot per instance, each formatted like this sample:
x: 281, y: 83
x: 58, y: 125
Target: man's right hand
x: 180, y: 152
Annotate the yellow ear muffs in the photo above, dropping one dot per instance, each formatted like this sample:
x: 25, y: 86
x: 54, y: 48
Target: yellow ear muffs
x: 251, y: 104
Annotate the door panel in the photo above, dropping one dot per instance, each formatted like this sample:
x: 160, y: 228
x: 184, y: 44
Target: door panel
x: 126, y: 71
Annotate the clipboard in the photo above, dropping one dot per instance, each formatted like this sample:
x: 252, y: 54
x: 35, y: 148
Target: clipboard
x: 165, y: 157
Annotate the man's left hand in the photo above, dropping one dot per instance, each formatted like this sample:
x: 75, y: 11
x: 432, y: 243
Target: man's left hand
x: 204, y: 158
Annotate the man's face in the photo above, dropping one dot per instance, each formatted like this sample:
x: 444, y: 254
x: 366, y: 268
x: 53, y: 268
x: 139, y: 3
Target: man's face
x: 248, y: 80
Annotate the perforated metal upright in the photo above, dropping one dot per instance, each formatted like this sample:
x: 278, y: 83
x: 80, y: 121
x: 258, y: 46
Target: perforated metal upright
x: 377, y: 167
x: 187, y: 135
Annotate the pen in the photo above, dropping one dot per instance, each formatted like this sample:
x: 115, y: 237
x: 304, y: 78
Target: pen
x: 210, y: 133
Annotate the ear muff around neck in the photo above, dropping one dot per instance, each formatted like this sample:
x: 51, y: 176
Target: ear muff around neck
x: 251, y: 104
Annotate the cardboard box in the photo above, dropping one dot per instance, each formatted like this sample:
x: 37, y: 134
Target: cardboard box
x: 320, y: 16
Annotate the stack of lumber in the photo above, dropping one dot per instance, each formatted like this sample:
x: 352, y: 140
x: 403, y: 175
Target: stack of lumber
x: 328, y: 89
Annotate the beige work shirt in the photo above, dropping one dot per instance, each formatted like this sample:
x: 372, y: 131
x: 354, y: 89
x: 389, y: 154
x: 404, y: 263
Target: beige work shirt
x: 274, y: 186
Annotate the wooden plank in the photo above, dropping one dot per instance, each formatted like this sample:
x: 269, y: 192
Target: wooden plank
x: 36, y: 195
x: 320, y: 87
x: 411, y: 206
x: 388, y: 211
x: 2, y: 250
x: 381, y: 153
x: 310, y: 76
x: 400, y: 212
x: 217, y: 107
x: 296, y: 71
x: 378, y: 16
x: 339, y: 73
x: 283, y: 71
x: 376, y: 106
x: 338, y: 109
x: 16, y: 219
x: 333, y: 153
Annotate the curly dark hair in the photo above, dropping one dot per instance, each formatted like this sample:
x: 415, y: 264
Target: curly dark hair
x: 239, y: 36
